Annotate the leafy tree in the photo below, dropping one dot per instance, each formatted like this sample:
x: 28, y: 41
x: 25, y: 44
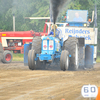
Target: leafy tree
x: 39, y: 8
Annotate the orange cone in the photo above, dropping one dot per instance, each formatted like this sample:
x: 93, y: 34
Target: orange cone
x: 98, y: 96
x: 63, y: 99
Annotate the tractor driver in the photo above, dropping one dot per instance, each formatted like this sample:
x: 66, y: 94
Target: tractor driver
x: 57, y: 32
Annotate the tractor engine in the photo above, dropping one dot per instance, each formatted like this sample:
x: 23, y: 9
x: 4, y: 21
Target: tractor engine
x: 50, y: 47
x: 12, y: 43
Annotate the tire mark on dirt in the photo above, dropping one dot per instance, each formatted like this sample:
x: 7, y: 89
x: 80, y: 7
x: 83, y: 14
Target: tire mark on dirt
x: 54, y: 87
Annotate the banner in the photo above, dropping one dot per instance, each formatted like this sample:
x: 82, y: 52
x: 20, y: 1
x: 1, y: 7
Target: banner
x: 89, y: 34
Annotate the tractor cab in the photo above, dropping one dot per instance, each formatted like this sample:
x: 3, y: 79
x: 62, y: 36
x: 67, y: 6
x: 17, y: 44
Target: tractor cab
x: 77, y: 18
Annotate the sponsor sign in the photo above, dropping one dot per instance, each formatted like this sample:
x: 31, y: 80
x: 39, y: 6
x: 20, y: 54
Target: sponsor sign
x: 89, y: 91
x: 88, y: 33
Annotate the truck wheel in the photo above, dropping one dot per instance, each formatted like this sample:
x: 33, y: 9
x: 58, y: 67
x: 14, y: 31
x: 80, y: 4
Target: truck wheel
x: 7, y: 57
x: 1, y: 51
x: 36, y: 44
x: 72, y: 46
x: 64, y: 60
x: 31, y: 61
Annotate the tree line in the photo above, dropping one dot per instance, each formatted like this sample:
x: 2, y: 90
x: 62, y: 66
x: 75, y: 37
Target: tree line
x: 39, y: 8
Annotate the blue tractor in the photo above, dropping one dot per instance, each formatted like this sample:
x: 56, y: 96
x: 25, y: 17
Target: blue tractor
x: 50, y: 49
x: 78, y: 50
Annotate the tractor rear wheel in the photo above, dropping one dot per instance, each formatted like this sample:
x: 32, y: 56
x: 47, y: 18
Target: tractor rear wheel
x: 31, y: 59
x: 81, y: 57
x: 36, y: 44
x: 64, y: 60
x: 72, y: 46
x: 7, y: 57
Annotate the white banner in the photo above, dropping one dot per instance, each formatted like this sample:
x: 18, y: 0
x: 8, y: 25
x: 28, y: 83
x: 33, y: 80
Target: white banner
x: 90, y: 34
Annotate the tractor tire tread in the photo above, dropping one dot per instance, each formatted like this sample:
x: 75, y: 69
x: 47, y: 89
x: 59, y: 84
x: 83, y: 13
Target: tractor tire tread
x: 70, y: 45
x: 31, y: 57
x: 36, y: 44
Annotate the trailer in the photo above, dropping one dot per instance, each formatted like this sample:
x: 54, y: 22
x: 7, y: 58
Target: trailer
x: 75, y: 48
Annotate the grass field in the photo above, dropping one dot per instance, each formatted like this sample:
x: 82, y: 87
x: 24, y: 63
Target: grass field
x: 98, y: 60
x: 20, y: 57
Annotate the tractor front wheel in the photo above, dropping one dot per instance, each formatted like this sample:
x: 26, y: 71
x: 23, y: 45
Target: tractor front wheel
x: 31, y: 59
x: 64, y: 60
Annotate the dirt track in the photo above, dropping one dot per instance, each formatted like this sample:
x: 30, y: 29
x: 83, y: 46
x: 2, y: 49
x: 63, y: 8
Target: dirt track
x: 17, y: 82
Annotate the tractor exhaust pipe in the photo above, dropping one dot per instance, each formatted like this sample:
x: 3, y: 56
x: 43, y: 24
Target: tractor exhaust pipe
x: 14, y: 22
x: 54, y: 29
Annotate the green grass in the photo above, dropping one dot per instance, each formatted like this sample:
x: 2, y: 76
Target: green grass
x: 18, y: 57
x: 98, y: 60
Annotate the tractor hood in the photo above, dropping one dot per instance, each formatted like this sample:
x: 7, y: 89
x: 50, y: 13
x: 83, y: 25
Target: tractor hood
x: 50, y: 45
